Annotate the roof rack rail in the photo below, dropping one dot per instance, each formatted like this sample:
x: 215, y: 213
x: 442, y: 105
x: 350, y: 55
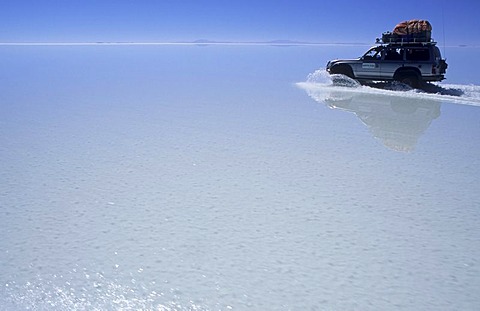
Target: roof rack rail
x: 405, y: 42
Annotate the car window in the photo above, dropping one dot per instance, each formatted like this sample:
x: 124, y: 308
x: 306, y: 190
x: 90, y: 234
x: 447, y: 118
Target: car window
x: 394, y: 54
x: 436, y: 53
x: 417, y: 54
x: 373, y: 54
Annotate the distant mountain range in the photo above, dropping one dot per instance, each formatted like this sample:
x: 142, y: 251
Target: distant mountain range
x: 279, y: 42
x: 202, y: 42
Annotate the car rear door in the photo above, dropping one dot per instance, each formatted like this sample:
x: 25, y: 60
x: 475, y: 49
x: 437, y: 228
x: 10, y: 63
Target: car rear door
x: 393, y: 59
x: 419, y: 57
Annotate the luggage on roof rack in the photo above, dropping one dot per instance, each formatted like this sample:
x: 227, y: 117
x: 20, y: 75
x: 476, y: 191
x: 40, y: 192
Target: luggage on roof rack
x: 389, y: 37
x: 412, y: 31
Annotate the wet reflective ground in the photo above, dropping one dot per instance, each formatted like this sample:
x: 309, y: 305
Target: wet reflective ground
x: 218, y: 178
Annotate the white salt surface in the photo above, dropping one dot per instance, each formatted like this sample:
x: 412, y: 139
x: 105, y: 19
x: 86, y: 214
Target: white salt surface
x: 205, y: 178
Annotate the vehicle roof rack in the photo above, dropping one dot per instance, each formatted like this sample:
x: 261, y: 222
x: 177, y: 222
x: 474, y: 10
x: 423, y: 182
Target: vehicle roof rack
x: 405, y: 42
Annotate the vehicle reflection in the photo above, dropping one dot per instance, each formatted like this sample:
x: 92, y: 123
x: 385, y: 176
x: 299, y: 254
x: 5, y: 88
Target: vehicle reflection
x: 396, y: 121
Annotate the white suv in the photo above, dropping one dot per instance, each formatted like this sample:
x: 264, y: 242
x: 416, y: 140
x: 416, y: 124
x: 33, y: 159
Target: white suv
x: 409, y: 63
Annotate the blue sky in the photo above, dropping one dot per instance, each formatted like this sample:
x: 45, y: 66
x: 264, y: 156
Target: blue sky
x: 169, y: 20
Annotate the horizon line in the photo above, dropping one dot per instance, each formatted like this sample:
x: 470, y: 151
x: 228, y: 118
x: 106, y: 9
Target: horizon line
x: 196, y: 42
x: 284, y: 43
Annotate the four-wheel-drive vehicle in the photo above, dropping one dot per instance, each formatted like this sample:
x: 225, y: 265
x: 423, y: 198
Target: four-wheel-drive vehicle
x: 411, y: 63
x: 408, y: 54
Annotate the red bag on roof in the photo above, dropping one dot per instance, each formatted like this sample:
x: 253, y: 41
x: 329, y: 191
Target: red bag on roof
x: 413, y: 26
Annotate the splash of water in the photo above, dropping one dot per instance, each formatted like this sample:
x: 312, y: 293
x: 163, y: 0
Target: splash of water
x: 323, y: 78
x: 321, y: 85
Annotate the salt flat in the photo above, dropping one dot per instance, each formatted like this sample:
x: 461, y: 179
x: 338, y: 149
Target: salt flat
x: 219, y: 177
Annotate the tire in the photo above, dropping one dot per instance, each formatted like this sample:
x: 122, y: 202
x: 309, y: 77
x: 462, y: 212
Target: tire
x: 343, y: 70
x: 410, y: 78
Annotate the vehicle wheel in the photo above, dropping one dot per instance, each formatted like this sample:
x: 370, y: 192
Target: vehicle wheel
x: 343, y: 70
x: 409, y: 78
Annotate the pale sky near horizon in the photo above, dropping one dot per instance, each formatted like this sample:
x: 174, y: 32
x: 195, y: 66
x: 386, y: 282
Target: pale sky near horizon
x: 169, y: 20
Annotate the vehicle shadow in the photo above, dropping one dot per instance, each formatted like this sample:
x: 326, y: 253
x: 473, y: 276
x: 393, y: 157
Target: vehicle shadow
x: 425, y: 87
x: 437, y: 89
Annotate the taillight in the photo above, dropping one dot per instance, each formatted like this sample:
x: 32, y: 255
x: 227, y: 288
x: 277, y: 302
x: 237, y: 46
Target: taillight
x: 434, y: 70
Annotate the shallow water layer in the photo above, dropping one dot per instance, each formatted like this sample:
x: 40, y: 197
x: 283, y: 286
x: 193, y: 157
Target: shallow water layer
x: 218, y: 178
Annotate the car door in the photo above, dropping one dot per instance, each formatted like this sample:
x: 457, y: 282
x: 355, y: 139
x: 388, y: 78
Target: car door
x: 392, y: 60
x: 369, y: 65
x: 419, y: 57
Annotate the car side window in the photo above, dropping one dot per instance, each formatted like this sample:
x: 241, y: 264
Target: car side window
x: 394, y: 54
x: 417, y: 54
x: 373, y: 54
